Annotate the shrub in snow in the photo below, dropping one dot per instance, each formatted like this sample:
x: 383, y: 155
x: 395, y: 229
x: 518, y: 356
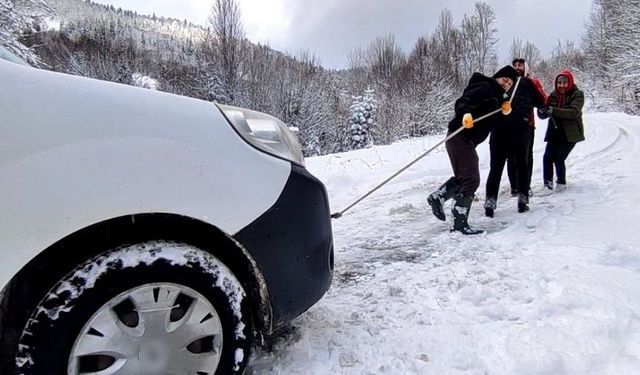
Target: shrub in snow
x: 362, y: 120
x: 143, y: 81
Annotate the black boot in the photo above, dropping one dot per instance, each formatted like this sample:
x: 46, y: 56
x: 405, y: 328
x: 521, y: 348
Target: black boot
x: 489, y: 206
x: 460, y: 212
x: 444, y: 193
x: 523, y: 203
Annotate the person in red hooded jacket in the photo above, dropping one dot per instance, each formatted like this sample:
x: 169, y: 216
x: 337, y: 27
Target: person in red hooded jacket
x: 564, y: 128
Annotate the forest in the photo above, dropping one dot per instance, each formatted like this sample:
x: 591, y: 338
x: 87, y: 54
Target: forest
x: 384, y: 95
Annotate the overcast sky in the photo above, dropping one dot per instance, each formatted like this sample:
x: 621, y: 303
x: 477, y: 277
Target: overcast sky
x: 332, y: 28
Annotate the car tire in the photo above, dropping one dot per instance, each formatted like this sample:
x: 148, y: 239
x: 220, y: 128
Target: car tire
x: 154, y: 307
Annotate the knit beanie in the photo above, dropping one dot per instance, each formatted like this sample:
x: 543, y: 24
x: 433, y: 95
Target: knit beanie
x: 507, y: 71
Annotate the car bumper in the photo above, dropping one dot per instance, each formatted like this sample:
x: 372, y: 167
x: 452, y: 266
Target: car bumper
x: 292, y: 244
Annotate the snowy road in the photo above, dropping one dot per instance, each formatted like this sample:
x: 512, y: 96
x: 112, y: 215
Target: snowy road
x: 552, y: 291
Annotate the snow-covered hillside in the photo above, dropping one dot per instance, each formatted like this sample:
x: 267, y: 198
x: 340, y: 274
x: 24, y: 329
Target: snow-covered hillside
x: 552, y: 291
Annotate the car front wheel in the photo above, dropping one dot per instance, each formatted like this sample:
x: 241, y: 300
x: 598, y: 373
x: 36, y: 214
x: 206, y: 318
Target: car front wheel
x: 150, y: 308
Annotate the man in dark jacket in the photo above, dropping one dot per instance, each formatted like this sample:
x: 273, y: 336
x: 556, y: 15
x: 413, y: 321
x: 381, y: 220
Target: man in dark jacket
x: 522, y: 67
x: 513, y: 141
x: 564, y: 128
x: 481, y: 96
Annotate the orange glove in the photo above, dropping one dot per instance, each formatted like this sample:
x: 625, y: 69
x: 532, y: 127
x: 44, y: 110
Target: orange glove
x: 506, y: 108
x: 467, y: 121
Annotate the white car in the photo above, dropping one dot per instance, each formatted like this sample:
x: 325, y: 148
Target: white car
x: 148, y: 233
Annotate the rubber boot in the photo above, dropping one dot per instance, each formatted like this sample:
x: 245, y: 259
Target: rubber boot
x: 523, y: 203
x: 490, y: 205
x: 444, y: 193
x: 460, y: 212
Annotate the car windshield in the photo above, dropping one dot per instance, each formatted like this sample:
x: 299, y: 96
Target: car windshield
x: 6, y: 55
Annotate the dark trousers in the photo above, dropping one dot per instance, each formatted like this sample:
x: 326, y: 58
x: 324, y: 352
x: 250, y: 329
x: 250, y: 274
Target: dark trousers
x: 555, y: 154
x: 464, y: 161
x: 514, y: 145
x: 511, y: 163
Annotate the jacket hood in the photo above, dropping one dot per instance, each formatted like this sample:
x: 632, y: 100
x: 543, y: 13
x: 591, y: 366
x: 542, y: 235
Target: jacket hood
x: 566, y: 73
x: 507, y: 71
x: 479, y: 77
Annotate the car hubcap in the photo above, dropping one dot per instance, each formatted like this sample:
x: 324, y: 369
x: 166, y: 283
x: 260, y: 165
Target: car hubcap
x: 159, y: 328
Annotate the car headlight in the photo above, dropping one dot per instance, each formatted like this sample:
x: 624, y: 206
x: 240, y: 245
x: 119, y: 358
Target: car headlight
x: 264, y: 132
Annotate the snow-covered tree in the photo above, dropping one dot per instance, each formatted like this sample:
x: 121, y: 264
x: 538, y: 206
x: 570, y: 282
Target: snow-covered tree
x: 599, y: 54
x: 140, y: 80
x: 611, y: 46
x: 527, y: 51
x: 385, y: 59
x: 362, y: 120
x: 626, y: 65
x: 480, y: 37
x: 431, y: 88
x: 226, y: 44
x: 445, y: 49
x: 564, y: 56
x: 432, y: 114
x: 385, y: 65
x: 15, y: 21
x: 308, y: 105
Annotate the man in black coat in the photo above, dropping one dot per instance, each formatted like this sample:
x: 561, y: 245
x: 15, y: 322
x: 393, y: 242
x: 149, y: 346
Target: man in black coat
x: 513, y: 141
x: 482, y: 95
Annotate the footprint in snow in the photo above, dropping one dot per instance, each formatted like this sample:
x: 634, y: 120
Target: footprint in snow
x: 406, y: 208
x: 534, y: 217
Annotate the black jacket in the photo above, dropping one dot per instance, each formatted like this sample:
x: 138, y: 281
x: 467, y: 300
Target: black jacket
x: 527, y: 96
x: 518, y: 122
x: 481, y: 96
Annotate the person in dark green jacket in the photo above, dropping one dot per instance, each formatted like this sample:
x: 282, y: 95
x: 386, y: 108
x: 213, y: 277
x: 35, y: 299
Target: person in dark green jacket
x: 564, y: 128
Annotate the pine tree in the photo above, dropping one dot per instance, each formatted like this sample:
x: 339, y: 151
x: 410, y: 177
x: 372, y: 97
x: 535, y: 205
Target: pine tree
x: 362, y: 120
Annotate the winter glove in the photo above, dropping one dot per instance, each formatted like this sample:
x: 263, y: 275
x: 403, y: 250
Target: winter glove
x: 506, y: 108
x: 467, y: 121
x: 543, y: 112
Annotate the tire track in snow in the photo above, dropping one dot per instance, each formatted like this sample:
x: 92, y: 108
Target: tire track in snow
x: 622, y: 143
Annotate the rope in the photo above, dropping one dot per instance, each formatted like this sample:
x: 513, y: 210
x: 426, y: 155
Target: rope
x: 339, y: 214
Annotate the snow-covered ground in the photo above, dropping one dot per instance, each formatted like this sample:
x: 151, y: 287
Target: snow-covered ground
x: 555, y: 290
